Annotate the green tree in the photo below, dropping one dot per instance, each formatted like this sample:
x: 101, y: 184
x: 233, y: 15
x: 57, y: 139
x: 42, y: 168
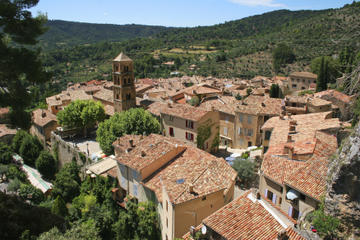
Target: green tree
x: 45, y: 163
x: 275, y: 91
x: 29, y: 192
x: 321, y: 83
x: 5, y: 153
x: 194, y: 101
x: 282, y: 54
x: 30, y: 149
x: 134, y: 121
x: 81, y: 114
x: 333, y: 67
x: 245, y: 170
x: 18, y: 139
x: 20, y: 64
x: 238, y: 96
x: 79, y: 231
x: 67, y: 182
x: 59, y: 207
x: 148, y: 224
x: 13, y: 172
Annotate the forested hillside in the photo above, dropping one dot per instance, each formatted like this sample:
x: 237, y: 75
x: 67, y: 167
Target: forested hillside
x: 64, y: 33
x: 241, y: 48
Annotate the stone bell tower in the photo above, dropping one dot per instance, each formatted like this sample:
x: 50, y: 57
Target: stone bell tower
x: 124, y: 83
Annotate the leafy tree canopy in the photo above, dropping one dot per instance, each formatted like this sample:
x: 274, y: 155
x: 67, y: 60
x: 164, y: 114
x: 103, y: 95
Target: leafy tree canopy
x: 59, y: 207
x: 29, y: 192
x: 46, y: 165
x: 5, y: 153
x: 20, y: 65
x: 18, y: 139
x: 134, y: 121
x: 30, y: 149
x: 245, y: 170
x: 81, y: 114
x: 67, y: 182
x: 282, y: 54
x: 333, y: 67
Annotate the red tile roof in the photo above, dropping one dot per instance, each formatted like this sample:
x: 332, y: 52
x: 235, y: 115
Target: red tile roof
x: 308, y: 177
x: 334, y: 94
x: 260, y: 105
x: 206, y: 173
x: 42, y: 117
x: 246, y: 218
x: 184, y: 111
x: 4, y: 130
x: 304, y: 75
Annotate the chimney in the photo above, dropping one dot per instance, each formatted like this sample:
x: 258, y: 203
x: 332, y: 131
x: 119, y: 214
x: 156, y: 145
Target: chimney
x: 263, y: 104
x: 143, y: 154
x: 282, y: 235
x: 131, y: 142
x: 290, y: 151
x: 191, y: 188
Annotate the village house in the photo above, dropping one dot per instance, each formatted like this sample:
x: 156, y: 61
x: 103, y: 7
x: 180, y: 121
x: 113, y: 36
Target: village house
x: 250, y: 115
x: 58, y: 102
x: 6, y: 134
x: 182, y: 121
x: 226, y: 106
x: 302, y: 81
x: 248, y: 217
x: 106, y: 97
x: 186, y: 183
x: 294, y: 168
x: 4, y: 115
x: 43, y: 122
x: 339, y: 100
x: 200, y: 90
x: 308, y: 104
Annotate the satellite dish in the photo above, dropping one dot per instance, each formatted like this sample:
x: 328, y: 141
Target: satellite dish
x: 203, y: 230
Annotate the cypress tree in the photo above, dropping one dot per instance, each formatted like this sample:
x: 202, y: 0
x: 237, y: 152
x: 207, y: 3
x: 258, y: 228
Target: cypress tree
x: 59, y: 207
x: 321, y: 83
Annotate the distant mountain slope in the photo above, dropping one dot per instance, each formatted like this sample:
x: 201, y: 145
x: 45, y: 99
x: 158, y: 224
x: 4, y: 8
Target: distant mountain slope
x: 64, y: 33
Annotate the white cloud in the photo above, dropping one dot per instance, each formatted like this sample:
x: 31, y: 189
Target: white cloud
x: 258, y: 3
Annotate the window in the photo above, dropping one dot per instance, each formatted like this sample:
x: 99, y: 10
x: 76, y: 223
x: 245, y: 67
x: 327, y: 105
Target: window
x: 171, y: 118
x: 225, y: 131
x: 116, y: 68
x: 249, y: 144
x: 167, y: 223
x: 189, y: 136
x: 128, y: 96
x: 167, y: 205
x: 241, y: 141
x: 267, y: 135
x: 135, y: 189
x: 126, y: 68
x: 203, y: 198
x: 241, y: 117
x: 227, y: 119
x: 280, y: 200
x: 129, y: 80
x: 239, y: 131
x: 294, y: 86
x: 117, y: 96
x: 270, y: 195
x: 250, y: 132
x: 266, y: 118
x: 249, y: 119
x: 189, y: 124
x: 171, y: 132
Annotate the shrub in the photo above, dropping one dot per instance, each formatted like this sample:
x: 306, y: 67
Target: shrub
x: 45, y: 163
x: 29, y: 192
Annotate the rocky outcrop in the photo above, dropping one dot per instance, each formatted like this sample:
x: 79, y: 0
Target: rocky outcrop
x: 343, y: 189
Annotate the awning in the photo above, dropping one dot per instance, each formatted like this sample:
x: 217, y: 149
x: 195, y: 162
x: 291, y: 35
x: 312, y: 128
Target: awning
x: 292, y: 194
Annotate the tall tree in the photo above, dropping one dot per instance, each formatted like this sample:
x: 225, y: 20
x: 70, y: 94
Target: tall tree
x: 333, y: 67
x: 282, y: 54
x: 275, y: 91
x: 45, y: 163
x: 321, y: 83
x: 20, y: 65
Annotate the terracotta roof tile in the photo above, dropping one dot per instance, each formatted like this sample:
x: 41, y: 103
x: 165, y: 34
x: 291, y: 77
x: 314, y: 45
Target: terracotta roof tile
x: 334, y: 94
x: 247, y: 218
x: 303, y: 74
x: 42, y: 117
x: 184, y: 111
x: 192, y: 166
x: 260, y: 105
x: 105, y: 95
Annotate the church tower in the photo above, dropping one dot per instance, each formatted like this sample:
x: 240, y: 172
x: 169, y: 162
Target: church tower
x: 124, y: 84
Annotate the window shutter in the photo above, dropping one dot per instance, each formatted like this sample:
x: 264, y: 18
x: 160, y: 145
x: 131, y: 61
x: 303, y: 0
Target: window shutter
x: 266, y: 191
x: 274, y: 198
x: 290, y: 211
x: 239, y: 131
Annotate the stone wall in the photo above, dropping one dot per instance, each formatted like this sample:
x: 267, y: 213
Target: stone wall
x: 66, y: 151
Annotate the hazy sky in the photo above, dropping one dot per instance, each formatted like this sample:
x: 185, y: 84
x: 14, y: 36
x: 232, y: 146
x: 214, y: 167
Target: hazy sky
x: 170, y: 12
